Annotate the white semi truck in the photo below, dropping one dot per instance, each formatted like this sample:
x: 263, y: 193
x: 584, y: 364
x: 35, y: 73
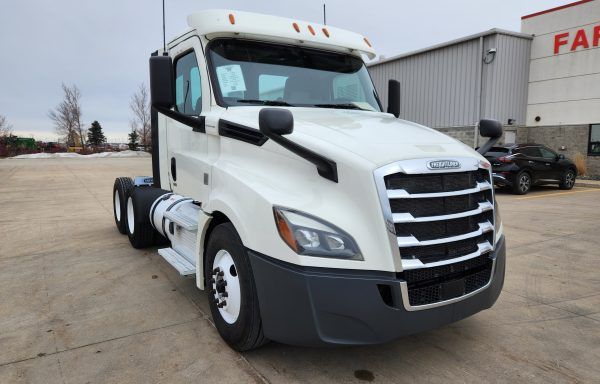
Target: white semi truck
x: 308, y: 214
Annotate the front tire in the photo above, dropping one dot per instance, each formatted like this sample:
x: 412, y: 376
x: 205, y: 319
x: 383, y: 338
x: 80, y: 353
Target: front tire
x: 120, y: 191
x: 522, y: 183
x: 232, y: 293
x: 568, y: 180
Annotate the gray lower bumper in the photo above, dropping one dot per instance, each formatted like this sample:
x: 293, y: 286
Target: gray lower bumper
x: 318, y: 306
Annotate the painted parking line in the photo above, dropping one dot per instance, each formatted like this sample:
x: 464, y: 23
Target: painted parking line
x: 560, y: 193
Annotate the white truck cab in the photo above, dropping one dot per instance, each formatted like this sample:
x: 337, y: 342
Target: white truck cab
x: 310, y: 215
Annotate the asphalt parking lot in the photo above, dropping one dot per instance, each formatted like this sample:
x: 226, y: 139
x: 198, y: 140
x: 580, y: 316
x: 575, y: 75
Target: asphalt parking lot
x: 79, y: 305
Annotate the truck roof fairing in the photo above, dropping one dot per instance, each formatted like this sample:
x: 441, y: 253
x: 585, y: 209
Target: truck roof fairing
x: 215, y: 23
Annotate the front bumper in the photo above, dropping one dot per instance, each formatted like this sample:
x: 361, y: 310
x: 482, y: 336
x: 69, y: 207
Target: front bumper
x: 319, y: 306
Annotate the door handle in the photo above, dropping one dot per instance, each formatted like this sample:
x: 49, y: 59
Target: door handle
x: 547, y: 163
x: 530, y: 162
x: 174, y: 169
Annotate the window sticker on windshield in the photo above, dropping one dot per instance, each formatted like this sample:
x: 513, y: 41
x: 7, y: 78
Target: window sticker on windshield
x: 231, y: 78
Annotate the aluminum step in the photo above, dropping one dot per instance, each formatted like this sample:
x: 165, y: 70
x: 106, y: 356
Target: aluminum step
x: 180, y: 263
x: 182, y: 220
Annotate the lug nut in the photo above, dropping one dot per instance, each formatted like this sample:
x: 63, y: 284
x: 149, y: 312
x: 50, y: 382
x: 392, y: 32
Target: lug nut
x: 220, y: 273
x: 211, y: 281
x: 222, y: 304
x: 213, y: 291
x: 216, y: 270
x: 225, y: 294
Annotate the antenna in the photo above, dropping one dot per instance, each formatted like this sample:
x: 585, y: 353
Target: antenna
x: 164, y: 34
x: 324, y: 15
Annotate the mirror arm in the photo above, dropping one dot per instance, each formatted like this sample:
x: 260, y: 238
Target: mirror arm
x: 327, y: 168
x: 488, y: 145
x: 196, y: 123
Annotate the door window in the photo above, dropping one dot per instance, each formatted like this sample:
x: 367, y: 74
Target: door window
x: 547, y: 154
x: 188, y: 87
x: 529, y: 151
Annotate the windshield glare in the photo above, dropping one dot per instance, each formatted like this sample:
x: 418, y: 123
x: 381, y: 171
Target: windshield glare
x: 249, y: 72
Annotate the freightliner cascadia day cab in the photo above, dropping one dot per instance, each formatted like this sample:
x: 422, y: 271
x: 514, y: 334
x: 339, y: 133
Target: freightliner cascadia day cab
x: 309, y: 214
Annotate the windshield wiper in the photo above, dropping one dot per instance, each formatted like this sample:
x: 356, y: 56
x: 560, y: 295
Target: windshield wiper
x: 340, y: 106
x: 266, y: 102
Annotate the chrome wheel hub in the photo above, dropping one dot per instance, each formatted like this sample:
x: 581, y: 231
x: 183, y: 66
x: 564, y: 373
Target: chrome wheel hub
x: 225, y: 284
x: 130, y: 215
x: 117, y: 206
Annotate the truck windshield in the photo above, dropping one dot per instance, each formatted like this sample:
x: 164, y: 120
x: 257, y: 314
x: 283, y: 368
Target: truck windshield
x: 258, y: 73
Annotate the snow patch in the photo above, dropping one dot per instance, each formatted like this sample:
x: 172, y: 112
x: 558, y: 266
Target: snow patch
x: 73, y: 155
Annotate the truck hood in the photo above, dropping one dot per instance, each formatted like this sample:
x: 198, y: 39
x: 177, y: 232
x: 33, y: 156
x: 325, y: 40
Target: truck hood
x: 377, y: 137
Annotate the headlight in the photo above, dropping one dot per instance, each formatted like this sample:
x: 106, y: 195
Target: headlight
x: 310, y: 236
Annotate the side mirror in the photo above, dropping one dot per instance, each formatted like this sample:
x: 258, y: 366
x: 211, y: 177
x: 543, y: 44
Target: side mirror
x: 561, y: 157
x: 162, y: 82
x: 493, y: 130
x: 394, y: 97
x: 275, y: 121
x: 490, y: 128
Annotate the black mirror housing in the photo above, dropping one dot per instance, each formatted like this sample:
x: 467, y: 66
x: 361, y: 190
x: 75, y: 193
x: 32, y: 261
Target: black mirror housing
x: 394, y: 97
x: 493, y: 130
x: 162, y: 82
x: 275, y: 121
x: 561, y: 156
x: 490, y: 128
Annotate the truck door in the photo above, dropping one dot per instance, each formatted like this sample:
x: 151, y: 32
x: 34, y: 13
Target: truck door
x: 187, y: 147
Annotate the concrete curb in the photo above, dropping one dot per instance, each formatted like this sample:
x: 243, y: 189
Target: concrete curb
x: 588, y: 184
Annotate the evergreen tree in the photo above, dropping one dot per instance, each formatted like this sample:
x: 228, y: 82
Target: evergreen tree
x: 95, y: 135
x: 133, y: 140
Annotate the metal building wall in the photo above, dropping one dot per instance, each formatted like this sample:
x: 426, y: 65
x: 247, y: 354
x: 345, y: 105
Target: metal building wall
x: 440, y: 87
x: 505, y: 80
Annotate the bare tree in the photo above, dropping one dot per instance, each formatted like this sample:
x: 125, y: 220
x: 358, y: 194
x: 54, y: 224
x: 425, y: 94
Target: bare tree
x: 140, y: 106
x: 67, y: 117
x: 5, y: 127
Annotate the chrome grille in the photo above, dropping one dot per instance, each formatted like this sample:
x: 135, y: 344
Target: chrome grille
x: 437, y: 216
x: 441, y: 228
x: 461, y: 205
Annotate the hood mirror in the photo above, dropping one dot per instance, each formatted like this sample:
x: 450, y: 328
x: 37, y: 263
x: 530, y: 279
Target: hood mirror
x: 394, y: 97
x: 492, y: 129
x: 275, y: 121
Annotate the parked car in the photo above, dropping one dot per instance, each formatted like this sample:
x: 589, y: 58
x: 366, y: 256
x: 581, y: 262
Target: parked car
x: 520, y: 166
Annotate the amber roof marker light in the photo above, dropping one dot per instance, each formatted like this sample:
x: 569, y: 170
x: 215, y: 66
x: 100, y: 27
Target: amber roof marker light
x: 368, y: 43
x: 296, y: 27
x: 232, y: 19
x: 326, y: 32
x: 311, y: 30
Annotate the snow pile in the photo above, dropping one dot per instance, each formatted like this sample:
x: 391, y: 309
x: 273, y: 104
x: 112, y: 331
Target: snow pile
x: 127, y: 153
x: 73, y: 154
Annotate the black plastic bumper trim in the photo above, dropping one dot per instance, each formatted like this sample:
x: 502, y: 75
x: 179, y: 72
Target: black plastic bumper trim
x: 324, y: 307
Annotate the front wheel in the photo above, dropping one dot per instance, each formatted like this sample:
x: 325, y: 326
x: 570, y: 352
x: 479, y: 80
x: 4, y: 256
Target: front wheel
x: 231, y: 290
x: 522, y: 183
x: 568, y: 180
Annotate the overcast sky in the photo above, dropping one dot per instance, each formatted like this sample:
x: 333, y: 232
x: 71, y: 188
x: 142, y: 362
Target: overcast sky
x: 103, y: 46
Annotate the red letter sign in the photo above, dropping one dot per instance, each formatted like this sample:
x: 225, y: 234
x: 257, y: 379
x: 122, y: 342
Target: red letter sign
x: 580, y: 40
x: 596, y: 35
x: 560, y: 40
